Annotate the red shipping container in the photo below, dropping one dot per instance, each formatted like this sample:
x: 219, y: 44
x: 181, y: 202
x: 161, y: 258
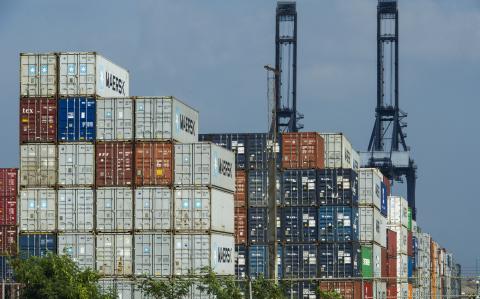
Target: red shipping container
x: 410, y: 244
x: 392, y: 290
x: 386, y: 181
x: 38, y: 120
x: 241, y: 225
x: 391, y: 243
x: 153, y: 163
x: 347, y: 289
x: 8, y: 210
x: 303, y: 150
x: 391, y: 267
x: 240, y: 194
x: 114, y: 164
x: 8, y: 182
x: 8, y: 240
x: 367, y: 290
x: 384, y: 262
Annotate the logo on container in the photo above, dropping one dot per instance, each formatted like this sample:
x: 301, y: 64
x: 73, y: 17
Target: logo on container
x: 221, y: 166
x: 114, y: 83
x: 184, y: 123
x: 222, y: 255
x: 101, y: 77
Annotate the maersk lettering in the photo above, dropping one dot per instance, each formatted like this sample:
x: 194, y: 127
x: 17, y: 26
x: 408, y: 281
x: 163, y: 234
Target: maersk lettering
x: 224, y: 255
x: 187, y: 124
x: 115, y: 83
x: 225, y: 168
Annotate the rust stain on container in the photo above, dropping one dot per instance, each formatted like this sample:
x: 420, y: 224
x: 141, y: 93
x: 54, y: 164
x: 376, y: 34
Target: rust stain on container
x: 38, y: 120
x: 153, y: 163
x: 303, y: 150
x: 241, y: 225
x: 114, y: 164
x: 240, y: 188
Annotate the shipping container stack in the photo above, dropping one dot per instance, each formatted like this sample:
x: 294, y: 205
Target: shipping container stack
x: 8, y: 220
x: 421, y: 263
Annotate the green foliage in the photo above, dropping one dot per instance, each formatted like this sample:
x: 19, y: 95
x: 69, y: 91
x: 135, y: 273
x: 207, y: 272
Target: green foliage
x: 267, y: 289
x: 173, y: 288
x: 220, y: 287
x: 329, y: 295
x: 54, y: 276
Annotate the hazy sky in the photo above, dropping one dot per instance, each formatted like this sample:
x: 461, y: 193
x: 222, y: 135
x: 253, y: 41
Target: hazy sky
x: 211, y: 55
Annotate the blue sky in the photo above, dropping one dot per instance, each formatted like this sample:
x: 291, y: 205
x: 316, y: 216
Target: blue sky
x: 211, y: 55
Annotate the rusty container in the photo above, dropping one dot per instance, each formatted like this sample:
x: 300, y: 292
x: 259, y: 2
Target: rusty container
x: 114, y: 164
x: 153, y: 163
x: 38, y: 120
x: 304, y: 150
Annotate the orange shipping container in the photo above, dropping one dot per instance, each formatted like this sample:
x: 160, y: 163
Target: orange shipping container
x: 410, y: 291
x: 114, y: 164
x: 303, y: 150
x: 240, y: 225
x: 240, y: 188
x: 346, y: 289
x: 153, y: 163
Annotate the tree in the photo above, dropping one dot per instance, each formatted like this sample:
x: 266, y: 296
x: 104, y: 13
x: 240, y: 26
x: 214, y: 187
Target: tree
x: 266, y: 289
x: 329, y: 295
x: 54, y: 276
x: 220, y: 287
x: 172, y: 288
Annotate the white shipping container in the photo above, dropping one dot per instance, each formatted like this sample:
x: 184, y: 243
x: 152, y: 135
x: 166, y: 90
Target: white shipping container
x: 75, y: 210
x: 114, y: 209
x: 194, y: 252
x: 153, y: 208
x: 90, y: 74
x: 402, y: 238
x: 76, y: 164
x: 397, y: 211
x: 124, y: 288
x: 402, y: 290
x: 114, y: 254
x: 37, y: 210
x: 114, y: 119
x: 165, y: 118
x: 203, y: 209
x: 380, y: 289
x: 38, y: 75
x: 153, y: 254
x: 339, y: 152
x: 38, y: 165
x: 370, y: 187
x: 372, y: 226
x: 79, y: 247
x: 204, y: 164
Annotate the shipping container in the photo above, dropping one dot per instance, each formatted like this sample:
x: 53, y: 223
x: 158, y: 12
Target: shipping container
x: 114, y: 209
x: 114, y: 254
x: 337, y: 187
x: 202, y: 209
x: 79, y: 247
x: 153, y: 163
x: 368, y: 289
x: 8, y: 240
x: 338, y: 224
x: 38, y: 120
x: 299, y: 260
x: 240, y: 194
x: 114, y: 164
x: 402, y: 267
x: 165, y: 118
x: 76, y: 119
x: 397, y: 211
x: 402, y: 290
x: 380, y: 289
x: 384, y: 257
x: 298, y: 224
x: 76, y: 164
x: 234, y: 142
x: 302, y: 150
x: 304, y: 289
x: 257, y: 225
x: 123, y: 288
x: 153, y: 254
x: 153, y: 208
x: 240, y: 225
x: 8, y: 210
x: 391, y: 243
x: 36, y: 244
x: 347, y: 289
x: 257, y: 151
x: 240, y: 261
x: 392, y: 290
x: 339, y: 260
x: 90, y: 74
x: 75, y: 210
x: 409, y: 243
x: 384, y: 201
x: 402, y: 238
x: 38, y: 210
x: 409, y: 219
x: 8, y: 182
x: 299, y: 187
x: 38, y: 165
x: 371, y: 261
x: 194, y: 252
x: 38, y: 75
x: 114, y: 119
x: 372, y: 226
x: 410, y: 267
x: 204, y: 164
x: 392, y: 268
x: 370, y: 187
x: 258, y: 182
x: 6, y: 271
x: 339, y: 152
x: 258, y: 261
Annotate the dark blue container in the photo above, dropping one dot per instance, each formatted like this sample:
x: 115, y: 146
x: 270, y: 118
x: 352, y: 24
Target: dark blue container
x: 339, y: 260
x: 299, y: 187
x: 337, y: 186
x: 410, y: 267
x: 338, y: 224
x: 76, y: 119
x: 37, y: 244
x: 383, y: 201
x: 258, y: 261
x: 415, y: 253
x: 257, y: 154
x: 302, y: 289
x: 232, y: 141
x: 257, y: 225
x: 6, y: 271
x: 257, y: 185
x: 298, y: 224
x: 300, y: 260
x: 240, y: 261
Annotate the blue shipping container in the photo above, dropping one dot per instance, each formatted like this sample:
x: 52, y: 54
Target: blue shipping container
x: 383, y: 203
x: 232, y: 141
x: 301, y: 289
x: 6, y: 271
x: 257, y: 184
x: 339, y: 260
x: 410, y: 267
x: 337, y: 186
x: 338, y: 224
x: 298, y: 224
x: 258, y: 261
x: 37, y: 244
x: 300, y: 260
x: 76, y: 119
x: 257, y: 153
x: 415, y: 253
x: 299, y: 187
x: 240, y: 261
x: 257, y: 225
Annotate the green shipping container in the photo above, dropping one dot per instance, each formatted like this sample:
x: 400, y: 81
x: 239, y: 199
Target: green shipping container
x: 367, y: 263
x: 409, y: 219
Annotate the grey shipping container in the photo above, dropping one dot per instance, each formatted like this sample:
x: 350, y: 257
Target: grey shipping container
x: 123, y: 288
x: 372, y: 226
x: 153, y: 254
x: 38, y: 165
x: 38, y: 75
x: 79, y: 247
x: 75, y: 210
x: 76, y: 164
x: 165, y: 118
x: 339, y: 152
x: 153, y: 208
x: 114, y: 119
x: 203, y: 209
x: 114, y: 254
x: 37, y: 210
x: 114, y: 209
x: 204, y: 164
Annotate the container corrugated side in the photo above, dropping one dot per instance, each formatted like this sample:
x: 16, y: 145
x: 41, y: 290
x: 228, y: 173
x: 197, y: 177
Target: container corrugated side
x: 339, y: 260
x: 8, y: 196
x: 153, y: 254
x: 153, y: 208
x: 299, y: 260
x: 114, y: 119
x: 241, y: 225
x: 298, y: 224
x: 75, y: 210
x: 257, y: 186
x: 114, y: 209
x: 76, y: 164
x: 371, y: 261
x: 38, y: 75
x: 76, y: 119
x: 397, y: 211
x: 114, y: 254
x: 338, y: 224
x: 337, y: 187
x: 299, y: 188
x: 257, y: 225
x: 302, y: 150
x: 370, y: 187
x: 240, y: 194
x: 38, y: 211
x: 38, y: 165
x: 114, y: 164
x: 372, y: 226
x: 38, y: 120
x: 36, y: 244
x: 8, y: 240
x: 402, y: 238
x: 153, y: 163
x: 79, y: 247
x: 236, y: 142
x: 258, y: 261
x: 339, y: 152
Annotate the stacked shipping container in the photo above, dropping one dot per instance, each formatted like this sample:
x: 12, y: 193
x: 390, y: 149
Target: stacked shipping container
x: 8, y: 219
